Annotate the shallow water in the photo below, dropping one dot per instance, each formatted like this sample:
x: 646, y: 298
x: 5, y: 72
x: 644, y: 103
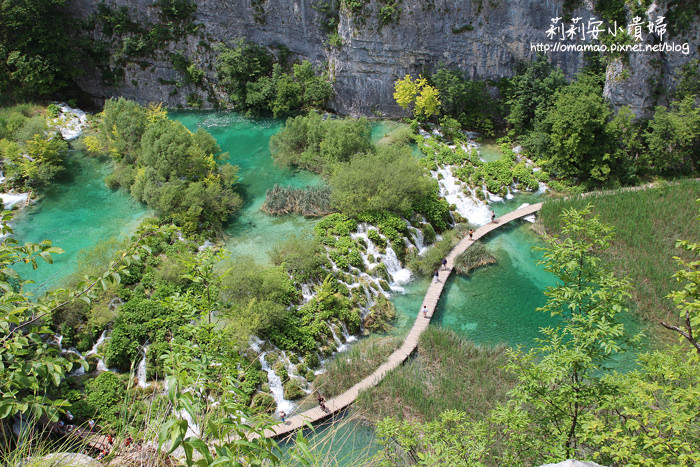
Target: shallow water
x: 75, y: 213
x: 340, y: 440
x: 489, y: 150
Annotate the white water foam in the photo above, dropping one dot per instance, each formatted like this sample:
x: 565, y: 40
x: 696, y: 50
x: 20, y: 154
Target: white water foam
x: 141, y: 370
x: 468, y: 206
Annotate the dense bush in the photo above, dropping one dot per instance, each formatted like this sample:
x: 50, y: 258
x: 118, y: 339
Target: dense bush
x: 315, y: 143
x: 175, y: 173
x: 259, y: 84
x: 37, y: 56
x: 389, y: 179
x: 31, y: 154
x: 468, y: 102
x: 105, y: 394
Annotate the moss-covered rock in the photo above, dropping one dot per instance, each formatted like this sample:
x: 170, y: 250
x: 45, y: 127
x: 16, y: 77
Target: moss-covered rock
x: 381, y: 315
x: 263, y: 402
x: 292, y: 390
x: 380, y: 272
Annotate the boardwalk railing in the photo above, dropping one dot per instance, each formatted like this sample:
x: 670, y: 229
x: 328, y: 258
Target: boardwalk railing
x: 395, y: 359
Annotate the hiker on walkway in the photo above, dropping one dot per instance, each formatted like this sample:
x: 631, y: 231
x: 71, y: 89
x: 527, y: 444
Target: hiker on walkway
x: 444, y: 264
x: 322, y: 403
x: 425, y: 311
x: 493, y: 216
x: 437, y: 275
x: 283, y: 415
x: 471, y: 234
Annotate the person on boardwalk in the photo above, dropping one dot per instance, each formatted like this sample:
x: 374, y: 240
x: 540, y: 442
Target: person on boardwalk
x: 493, y: 216
x: 425, y: 311
x: 471, y: 234
x: 444, y: 264
x: 437, y: 275
x: 283, y: 416
x: 322, y: 403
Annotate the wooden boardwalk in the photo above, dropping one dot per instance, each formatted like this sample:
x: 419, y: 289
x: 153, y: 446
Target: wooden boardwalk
x: 395, y: 359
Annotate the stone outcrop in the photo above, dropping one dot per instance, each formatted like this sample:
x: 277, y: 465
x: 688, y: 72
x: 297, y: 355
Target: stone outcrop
x: 484, y: 38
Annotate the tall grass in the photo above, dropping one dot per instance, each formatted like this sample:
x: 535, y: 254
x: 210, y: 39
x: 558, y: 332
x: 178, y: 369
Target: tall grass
x: 349, y: 368
x: 647, y: 224
x: 474, y: 257
x: 449, y: 372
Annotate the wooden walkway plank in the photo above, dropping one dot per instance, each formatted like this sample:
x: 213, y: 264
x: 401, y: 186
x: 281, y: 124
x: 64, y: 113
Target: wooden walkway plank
x: 410, y: 343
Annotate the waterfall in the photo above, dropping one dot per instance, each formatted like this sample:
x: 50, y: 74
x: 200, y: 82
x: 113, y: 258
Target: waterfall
x: 141, y: 370
x: 99, y: 342
x: 451, y: 188
x: 399, y: 275
x: 276, y: 387
x: 306, y: 292
x: 339, y: 345
x: 346, y: 334
x: 418, y: 239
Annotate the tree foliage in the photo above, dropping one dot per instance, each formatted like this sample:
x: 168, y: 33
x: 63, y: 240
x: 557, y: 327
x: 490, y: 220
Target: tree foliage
x: 36, y: 52
x: 314, y: 143
x: 169, y: 168
x: 389, y: 179
x: 261, y: 84
x: 424, y: 97
x: 531, y: 93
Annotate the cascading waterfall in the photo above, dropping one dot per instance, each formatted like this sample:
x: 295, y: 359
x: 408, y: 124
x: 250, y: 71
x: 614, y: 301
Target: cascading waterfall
x: 306, y: 292
x: 100, y: 363
x: 141, y: 370
x: 346, y: 335
x: 468, y: 206
x: 276, y: 387
x: 418, y: 239
x: 338, y: 343
x: 399, y: 274
x: 274, y: 381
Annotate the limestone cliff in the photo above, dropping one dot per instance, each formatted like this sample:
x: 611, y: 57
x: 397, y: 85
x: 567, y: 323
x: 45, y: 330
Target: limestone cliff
x: 484, y: 38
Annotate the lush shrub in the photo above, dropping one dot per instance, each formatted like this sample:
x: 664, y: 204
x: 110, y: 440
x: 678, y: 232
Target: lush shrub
x: 389, y: 179
x: 255, y: 83
x: 176, y: 173
x: 105, y: 394
x: 315, y: 144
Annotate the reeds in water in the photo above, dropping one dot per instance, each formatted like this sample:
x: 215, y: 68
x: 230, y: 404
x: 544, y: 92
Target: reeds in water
x: 309, y: 201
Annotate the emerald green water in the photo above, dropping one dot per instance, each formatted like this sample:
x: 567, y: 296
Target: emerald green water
x: 247, y: 141
x: 340, y: 440
x: 497, y: 303
x: 489, y: 150
x: 75, y: 213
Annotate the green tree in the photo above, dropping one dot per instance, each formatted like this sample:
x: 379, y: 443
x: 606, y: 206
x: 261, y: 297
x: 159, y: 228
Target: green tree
x: 673, y: 138
x: 424, y: 97
x: 316, y: 144
x: 466, y: 101
x: 579, y: 144
x: 390, y: 179
x: 687, y: 300
x: 36, y: 52
x: 650, y: 414
x: 531, y: 93
x: 29, y: 364
x: 560, y: 380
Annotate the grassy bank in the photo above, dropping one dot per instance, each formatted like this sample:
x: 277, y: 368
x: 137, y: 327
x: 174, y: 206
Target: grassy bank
x: 350, y: 368
x: 449, y: 372
x: 647, y: 224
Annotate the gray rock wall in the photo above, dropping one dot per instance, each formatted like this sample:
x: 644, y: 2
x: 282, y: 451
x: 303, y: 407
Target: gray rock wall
x: 484, y: 38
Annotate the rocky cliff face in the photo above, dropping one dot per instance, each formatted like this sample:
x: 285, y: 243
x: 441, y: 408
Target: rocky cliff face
x: 484, y: 38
